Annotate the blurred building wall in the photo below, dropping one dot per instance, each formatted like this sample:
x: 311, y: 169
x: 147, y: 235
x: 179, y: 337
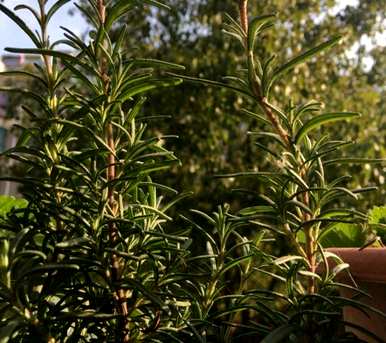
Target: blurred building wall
x: 7, y: 119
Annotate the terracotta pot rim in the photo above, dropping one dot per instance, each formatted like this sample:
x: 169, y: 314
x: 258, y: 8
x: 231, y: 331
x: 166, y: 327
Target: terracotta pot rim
x: 365, y: 250
x: 368, y: 265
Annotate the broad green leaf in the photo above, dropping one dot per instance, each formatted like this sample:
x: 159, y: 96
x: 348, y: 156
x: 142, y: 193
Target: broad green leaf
x: 320, y: 120
x: 343, y: 235
x: 7, y: 203
x: 377, y: 215
x: 377, y: 219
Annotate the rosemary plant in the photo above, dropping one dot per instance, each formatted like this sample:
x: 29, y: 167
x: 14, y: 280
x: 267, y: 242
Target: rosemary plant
x: 88, y: 260
x: 221, y: 281
x: 300, y: 199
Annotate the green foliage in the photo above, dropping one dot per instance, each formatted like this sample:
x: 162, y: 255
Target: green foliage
x: 8, y: 203
x: 89, y: 257
x: 300, y: 201
x: 344, y: 235
x: 220, y: 276
x: 377, y: 220
x: 208, y: 120
x: 377, y: 215
x: 371, y: 232
x: 95, y: 255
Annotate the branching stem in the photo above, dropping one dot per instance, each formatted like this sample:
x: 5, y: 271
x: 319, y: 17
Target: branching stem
x: 310, y: 246
x: 275, y: 122
x: 243, y: 7
x: 116, y: 271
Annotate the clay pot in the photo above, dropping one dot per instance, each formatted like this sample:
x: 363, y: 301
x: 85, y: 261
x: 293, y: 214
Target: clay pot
x: 368, y: 267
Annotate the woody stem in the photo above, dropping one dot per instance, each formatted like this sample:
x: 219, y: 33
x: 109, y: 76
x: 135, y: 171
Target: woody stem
x: 115, y: 266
